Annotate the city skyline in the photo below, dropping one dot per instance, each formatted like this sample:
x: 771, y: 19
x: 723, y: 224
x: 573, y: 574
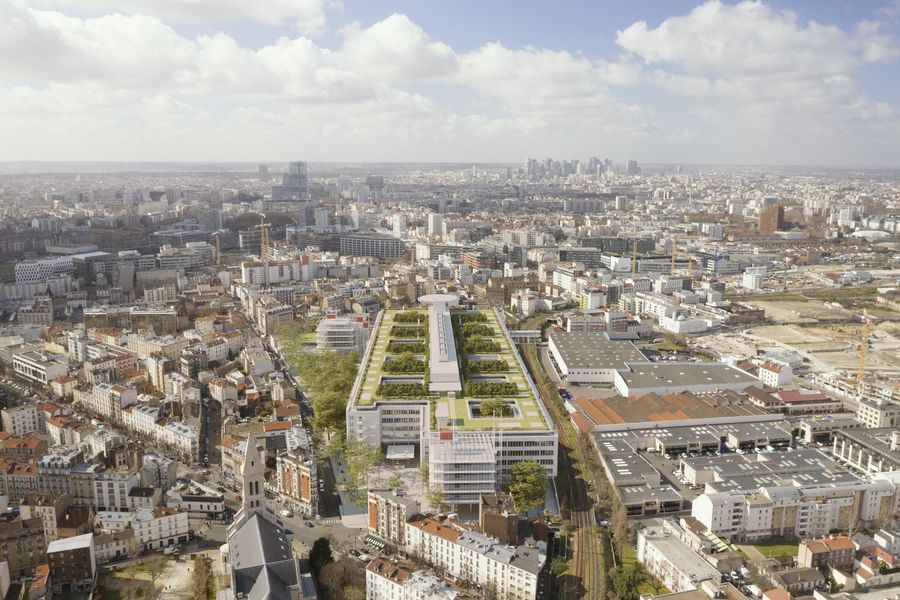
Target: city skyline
x: 727, y: 83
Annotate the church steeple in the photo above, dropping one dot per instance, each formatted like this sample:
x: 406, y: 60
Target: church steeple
x: 253, y: 488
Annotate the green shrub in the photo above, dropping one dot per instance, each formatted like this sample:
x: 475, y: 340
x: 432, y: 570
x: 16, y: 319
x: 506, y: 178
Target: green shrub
x: 405, y: 363
x: 408, y: 331
x: 491, y: 388
x: 480, y: 345
x: 488, y: 366
x: 404, y: 347
x: 470, y: 329
x: 401, y: 390
x: 411, y: 316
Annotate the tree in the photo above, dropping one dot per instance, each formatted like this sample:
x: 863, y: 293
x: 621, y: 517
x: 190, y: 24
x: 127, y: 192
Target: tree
x: 435, y: 498
x: 627, y: 581
x: 527, y: 487
x: 320, y: 554
x: 395, y: 481
x: 559, y: 565
x: 494, y: 407
x: 342, y: 580
x: 360, y: 458
x: 154, y: 567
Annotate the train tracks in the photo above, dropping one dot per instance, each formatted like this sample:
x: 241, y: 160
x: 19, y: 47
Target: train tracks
x: 588, y: 572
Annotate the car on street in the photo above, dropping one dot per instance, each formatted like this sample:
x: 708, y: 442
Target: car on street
x: 284, y: 512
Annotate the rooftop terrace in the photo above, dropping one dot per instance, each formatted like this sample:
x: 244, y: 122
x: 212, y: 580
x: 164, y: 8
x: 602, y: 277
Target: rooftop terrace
x: 399, y: 333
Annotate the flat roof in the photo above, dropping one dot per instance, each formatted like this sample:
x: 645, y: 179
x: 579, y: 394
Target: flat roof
x: 661, y: 408
x: 72, y: 543
x: 456, y: 410
x: 643, y: 375
x: 586, y: 350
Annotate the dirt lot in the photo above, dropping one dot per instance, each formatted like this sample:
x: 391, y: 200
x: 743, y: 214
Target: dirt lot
x: 827, y: 347
x: 810, y: 311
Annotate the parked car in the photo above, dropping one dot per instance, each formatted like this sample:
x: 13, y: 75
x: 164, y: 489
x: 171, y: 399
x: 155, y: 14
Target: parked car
x: 284, y: 512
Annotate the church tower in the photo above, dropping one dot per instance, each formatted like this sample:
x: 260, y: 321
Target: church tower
x: 253, y: 489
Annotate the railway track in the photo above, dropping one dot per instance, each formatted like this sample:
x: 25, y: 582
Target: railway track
x: 587, y: 554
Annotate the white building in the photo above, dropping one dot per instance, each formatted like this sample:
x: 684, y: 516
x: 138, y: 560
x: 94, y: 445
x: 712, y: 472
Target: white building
x: 36, y: 271
x: 671, y: 561
x: 390, y: 580
x: 512, y: 571
x: 341, y: 334
x: 435, y: 224
x: 753, y: 278
x: 107, y: 400
x: 111, y: 489
x: 774, y: 374
x: 39, y: 367
x: 19, y: 420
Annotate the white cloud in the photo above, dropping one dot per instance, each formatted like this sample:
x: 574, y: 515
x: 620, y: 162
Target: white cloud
x: 135, y: 86
x: 308, y: 15
x: 766, y: 83
x: 396, y: 49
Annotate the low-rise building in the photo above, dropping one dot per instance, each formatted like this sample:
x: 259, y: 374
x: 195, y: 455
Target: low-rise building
x: 835, y: 551
x: 671, y: 561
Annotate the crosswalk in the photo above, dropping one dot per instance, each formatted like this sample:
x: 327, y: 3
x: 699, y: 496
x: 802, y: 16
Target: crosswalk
x: 328, y: 521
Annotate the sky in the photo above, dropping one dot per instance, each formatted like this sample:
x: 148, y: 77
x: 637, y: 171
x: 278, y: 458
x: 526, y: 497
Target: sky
x: 808, y: 82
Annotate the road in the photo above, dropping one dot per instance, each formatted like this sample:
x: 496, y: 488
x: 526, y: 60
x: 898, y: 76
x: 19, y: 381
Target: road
x: 211, y: 431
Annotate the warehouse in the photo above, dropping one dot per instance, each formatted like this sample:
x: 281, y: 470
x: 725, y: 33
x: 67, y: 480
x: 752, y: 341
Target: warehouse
x: 658, y: 378
x: 585, y: 358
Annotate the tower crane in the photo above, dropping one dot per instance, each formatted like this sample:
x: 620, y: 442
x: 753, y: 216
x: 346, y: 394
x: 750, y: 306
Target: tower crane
x: 864, y: 345
x: 218, y: 249
x: 634, y: 256
x: 263, y: 237
x: 673, y: 254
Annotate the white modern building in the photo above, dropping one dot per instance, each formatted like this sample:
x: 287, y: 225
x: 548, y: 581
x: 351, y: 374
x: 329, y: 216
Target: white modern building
x: 39, y: 367
x: 341, y: 334
x: 398, y: 409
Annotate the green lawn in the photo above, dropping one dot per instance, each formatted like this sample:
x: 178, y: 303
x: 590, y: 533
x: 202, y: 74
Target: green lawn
x: 777, y: 548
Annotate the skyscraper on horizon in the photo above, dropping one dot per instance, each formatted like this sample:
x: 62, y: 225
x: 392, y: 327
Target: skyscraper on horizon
x: 294, y: 184
x: 263, y: 172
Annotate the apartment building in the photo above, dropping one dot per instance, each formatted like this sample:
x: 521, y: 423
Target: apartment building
x: 836, y: 551
x: 22, y: 544
x: 878, y: 412
x: 295, y: 481
x: 19, y: 420
x: 512, y: 571
x: 107, y: 400
x: 795, y: 510
x: 392, y: 580
x: 388, y: 513
x: 112, y: 488
x: 270, y: 314
x: 154, y: 528
x: 73, y: 564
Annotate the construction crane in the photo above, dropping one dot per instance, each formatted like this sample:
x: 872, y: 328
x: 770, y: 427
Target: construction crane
x: 263, y: 237
x: 634, y: 257
x: 864, y: 345
x: 218, y: 249
x: 674, y: 251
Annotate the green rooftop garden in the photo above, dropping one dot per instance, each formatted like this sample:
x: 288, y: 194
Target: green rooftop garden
x: 495, y: 377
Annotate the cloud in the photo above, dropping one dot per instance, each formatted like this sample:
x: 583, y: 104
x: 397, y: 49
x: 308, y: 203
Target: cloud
x: 307, y: 15
x: 743, y: 77
x: 762, y: 77
x: 396, y: 49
